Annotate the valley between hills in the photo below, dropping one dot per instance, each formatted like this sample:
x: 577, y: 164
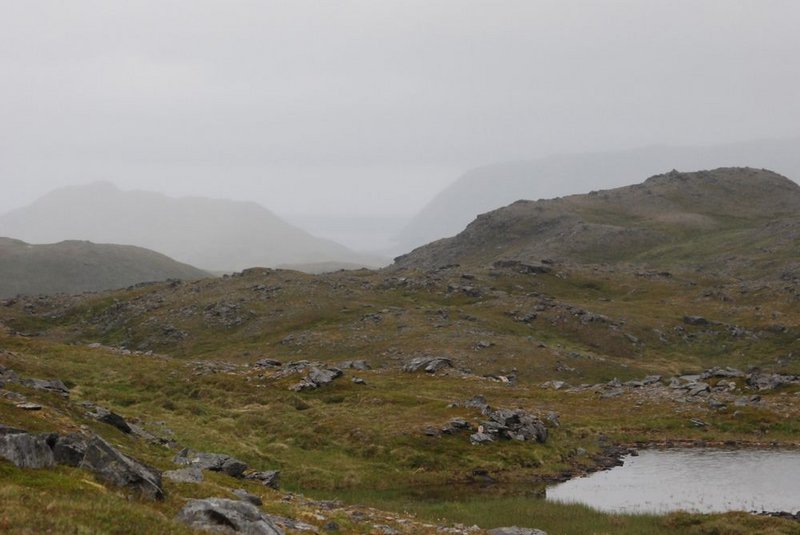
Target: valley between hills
x: 545, y: 341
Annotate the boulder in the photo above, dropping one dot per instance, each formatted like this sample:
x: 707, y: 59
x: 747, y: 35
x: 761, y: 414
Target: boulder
x: 190, y: 474
x: 111, y: 418
x: 267, y: 363
x: 322, y: 377
x: 26, y: 450
x: 70, y: 449
x: 248, y: 497
x: 428, y: 364
x: 480, y: 438
x: 216, y: 462
x: 113, y: 468
x: 269, y: 478
x: 695, y: 320
x: 53, y: 385
x: 227, y: 516
x: 354, y: 365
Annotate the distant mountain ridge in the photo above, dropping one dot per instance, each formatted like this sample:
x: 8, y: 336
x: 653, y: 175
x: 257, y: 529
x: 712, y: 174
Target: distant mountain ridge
x: 726, y: 219
x: 493, y: 186
x: 213, y: 234
x: 78, y: 266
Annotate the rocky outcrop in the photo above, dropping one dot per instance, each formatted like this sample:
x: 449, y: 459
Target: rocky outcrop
x: 43, y: 450
x: 221, y: 515
x: 113, y: 468
x: 511, y: 424
x: 26, y: 450
x: 51, y: 385
x: 427, y: 364
x: 106, y: 416
x: 269, y: 478
x: 216, y: 462
x: 316, y: 378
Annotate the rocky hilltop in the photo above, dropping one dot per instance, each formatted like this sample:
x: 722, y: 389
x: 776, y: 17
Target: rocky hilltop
x: 492, y: 186
x: 80, y: 266
x: 213, y: 234
x: 728, y: 219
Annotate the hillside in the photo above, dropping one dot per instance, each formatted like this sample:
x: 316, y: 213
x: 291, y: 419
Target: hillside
x: 493, y: 186
x: 78, y: 266
x: 213, y: 234
x: 728, y: 220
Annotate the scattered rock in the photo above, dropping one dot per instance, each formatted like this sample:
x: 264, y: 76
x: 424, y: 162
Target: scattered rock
x: 267, y: 363
x: 428, y: 364
x: 227, y: 516
x: 358, y: 381
x: 216, y: 462
x: 248, y: 497
x: 53, y: 385
x: 29, y: 406
x: 269, y: 478
x: 191, y: 474
x: 514, y: 530
x: 695, y: 320
x: 108, y: 417
x: 355, y: 365
x: 316, y: 378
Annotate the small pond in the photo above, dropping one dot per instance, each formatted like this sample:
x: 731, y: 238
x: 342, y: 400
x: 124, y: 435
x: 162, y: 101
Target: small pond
x: 696, y: 480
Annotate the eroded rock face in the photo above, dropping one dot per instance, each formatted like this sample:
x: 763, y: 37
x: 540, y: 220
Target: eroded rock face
x: 227, y: 516
x: 114, y: 468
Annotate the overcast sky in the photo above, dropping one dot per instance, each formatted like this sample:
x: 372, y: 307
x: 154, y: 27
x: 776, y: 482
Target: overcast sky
x: 372, y: 107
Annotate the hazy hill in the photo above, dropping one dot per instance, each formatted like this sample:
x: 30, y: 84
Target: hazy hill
x: 729, y: 218
x: 492, y: 186
x: 80, y: 266
x: 212, y: 234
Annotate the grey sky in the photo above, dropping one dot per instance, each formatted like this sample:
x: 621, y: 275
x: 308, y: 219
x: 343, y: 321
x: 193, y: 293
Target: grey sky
x: 372, y: 107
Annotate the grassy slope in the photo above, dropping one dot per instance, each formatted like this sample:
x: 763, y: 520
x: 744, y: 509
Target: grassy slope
x: 349, y: 440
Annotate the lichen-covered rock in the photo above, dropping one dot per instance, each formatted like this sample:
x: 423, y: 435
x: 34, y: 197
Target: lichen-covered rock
x: 113, y: 468
x: 227, y: 516
x: 26, y: 450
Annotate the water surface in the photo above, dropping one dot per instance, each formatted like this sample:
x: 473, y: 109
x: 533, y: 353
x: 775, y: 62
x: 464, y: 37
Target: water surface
x: 696, y: 480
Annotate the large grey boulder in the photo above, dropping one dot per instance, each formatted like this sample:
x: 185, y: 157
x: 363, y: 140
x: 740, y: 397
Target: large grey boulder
x: 216, y: 462
x: 113, y: 468
x: 70, y: 449
x: 220, y: 515
x: 26, y: 450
